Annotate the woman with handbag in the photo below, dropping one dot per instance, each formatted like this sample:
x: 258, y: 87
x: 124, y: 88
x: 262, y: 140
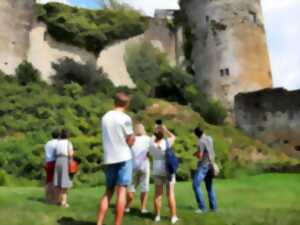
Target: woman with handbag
x: 158, y: 149
x: 62, y: 180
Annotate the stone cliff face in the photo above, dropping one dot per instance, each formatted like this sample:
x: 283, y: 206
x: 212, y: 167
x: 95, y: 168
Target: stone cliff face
x: 272, y: 115
x: 24, y: 38
x: 16, y: 17
x: 44, y: 50
x: 230, y: 53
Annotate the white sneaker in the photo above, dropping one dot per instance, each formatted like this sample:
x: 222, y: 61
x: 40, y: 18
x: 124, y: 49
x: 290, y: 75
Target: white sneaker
x: 174, y: 219
x: 144, y: 211
x: 127, y: 210
x: 157, y: 219
x: 198, y: 211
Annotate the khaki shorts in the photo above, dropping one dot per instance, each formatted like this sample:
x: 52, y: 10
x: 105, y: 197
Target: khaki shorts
x: 161, y: 180
x: 142, y: 179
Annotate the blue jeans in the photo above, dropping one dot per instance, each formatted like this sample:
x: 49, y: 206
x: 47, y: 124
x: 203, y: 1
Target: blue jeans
x: 118, y: 174
x: 204, y: 173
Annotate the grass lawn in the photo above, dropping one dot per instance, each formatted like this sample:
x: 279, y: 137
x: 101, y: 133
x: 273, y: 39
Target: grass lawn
x: 270, y: 199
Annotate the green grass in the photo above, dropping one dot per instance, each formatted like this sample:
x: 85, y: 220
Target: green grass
x: 270, y: 199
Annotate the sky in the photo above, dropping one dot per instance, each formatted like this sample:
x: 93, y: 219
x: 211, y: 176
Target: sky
x: 282, y: 20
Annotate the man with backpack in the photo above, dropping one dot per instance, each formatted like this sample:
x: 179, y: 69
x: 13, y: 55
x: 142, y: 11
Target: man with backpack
x: 206, y: 171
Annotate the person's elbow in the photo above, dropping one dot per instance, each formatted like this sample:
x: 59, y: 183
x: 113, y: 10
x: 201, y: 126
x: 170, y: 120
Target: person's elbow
x: 130, y: 140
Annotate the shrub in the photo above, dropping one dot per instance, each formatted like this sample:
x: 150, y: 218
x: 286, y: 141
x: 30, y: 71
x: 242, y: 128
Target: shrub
x: 87, y: 75
x: 216, y: 113
x: 172, y: 83
x: 91, y: 29
x: 4, y: 179
x: 26, y: 73
x: 73, y: 90
x: 144, y: 64
x: 138, y: 102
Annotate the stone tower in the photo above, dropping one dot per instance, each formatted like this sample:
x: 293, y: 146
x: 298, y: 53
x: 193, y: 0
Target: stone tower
x: 16, y: 17
x: 230, y: 53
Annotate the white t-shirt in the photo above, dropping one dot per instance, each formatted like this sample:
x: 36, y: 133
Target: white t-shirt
x: 64, y: 147
x: 50, y: 148
x: 140, y: 150
x: 158, y: 152
x: 116, y: 126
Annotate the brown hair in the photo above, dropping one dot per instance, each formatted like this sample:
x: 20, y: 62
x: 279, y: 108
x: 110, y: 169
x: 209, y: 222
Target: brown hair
x: 121, y: 99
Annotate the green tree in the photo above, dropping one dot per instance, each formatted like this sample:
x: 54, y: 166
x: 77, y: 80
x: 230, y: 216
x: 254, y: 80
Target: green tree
x: 216, y: 113
x: 26, y: 73
x: 91, y: 78
x: 144, y: 63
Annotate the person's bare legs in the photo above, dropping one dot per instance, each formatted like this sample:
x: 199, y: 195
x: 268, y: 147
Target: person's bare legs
x: 144, y: 197
x: 120, y: 205
x: 159, y: 189
x: 52, y: 193
x: 64, y: 197
x: 57, y: 192
x: 47, y: 193
x: 103, y: 205
x: 130, y: 197
x: 171, y: 199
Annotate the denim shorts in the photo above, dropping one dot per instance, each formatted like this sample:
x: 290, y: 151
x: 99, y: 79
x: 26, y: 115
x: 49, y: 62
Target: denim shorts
x: 118, y: 174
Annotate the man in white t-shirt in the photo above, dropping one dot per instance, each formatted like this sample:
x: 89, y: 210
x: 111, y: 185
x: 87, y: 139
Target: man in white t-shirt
x: 118, y: 137
x: 50, y: 148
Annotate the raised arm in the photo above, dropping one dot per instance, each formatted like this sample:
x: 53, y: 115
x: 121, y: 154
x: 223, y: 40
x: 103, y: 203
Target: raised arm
x: 171, y: 137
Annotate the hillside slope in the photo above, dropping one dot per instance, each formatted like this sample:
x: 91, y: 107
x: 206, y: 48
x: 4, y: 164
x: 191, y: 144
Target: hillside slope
x: 28, y: 114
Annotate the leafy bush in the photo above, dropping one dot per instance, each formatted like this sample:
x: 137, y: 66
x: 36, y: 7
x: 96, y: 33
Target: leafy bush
x: 138, y: 102
x: 91, y: 29
x: 87, y: 75
x: 26, y: 73
x: 73, y: 90
x: 216, y: 113
x: 144, y: 64
x: 4, y: 179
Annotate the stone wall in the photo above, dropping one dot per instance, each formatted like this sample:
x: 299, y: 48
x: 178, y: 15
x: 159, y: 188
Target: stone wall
x: 158, y: 34
x: 16, y: 17
x: 23, y: 38
x: 273, y: 116
x: 44, y: 50
x: 230, y: 53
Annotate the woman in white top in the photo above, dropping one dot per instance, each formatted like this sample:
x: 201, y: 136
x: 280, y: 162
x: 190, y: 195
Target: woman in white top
x: 158, y: 149
x: 141, y: 168
x: 64, y: 152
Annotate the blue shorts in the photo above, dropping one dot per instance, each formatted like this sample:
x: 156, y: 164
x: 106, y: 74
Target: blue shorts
x: 118, y: 174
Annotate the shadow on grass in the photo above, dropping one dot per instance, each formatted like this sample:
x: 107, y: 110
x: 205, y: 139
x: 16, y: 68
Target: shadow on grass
x: 37, y: 199
x: 137, y: 213
x: 71, y: 221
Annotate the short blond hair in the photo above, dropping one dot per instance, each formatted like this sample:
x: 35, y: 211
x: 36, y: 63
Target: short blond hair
x: 139, y: 129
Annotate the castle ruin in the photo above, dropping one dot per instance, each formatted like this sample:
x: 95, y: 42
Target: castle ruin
x: 230, y: 53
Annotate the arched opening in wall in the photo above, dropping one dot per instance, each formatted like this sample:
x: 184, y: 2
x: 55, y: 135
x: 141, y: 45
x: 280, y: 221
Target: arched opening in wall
x: 297, y: 148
